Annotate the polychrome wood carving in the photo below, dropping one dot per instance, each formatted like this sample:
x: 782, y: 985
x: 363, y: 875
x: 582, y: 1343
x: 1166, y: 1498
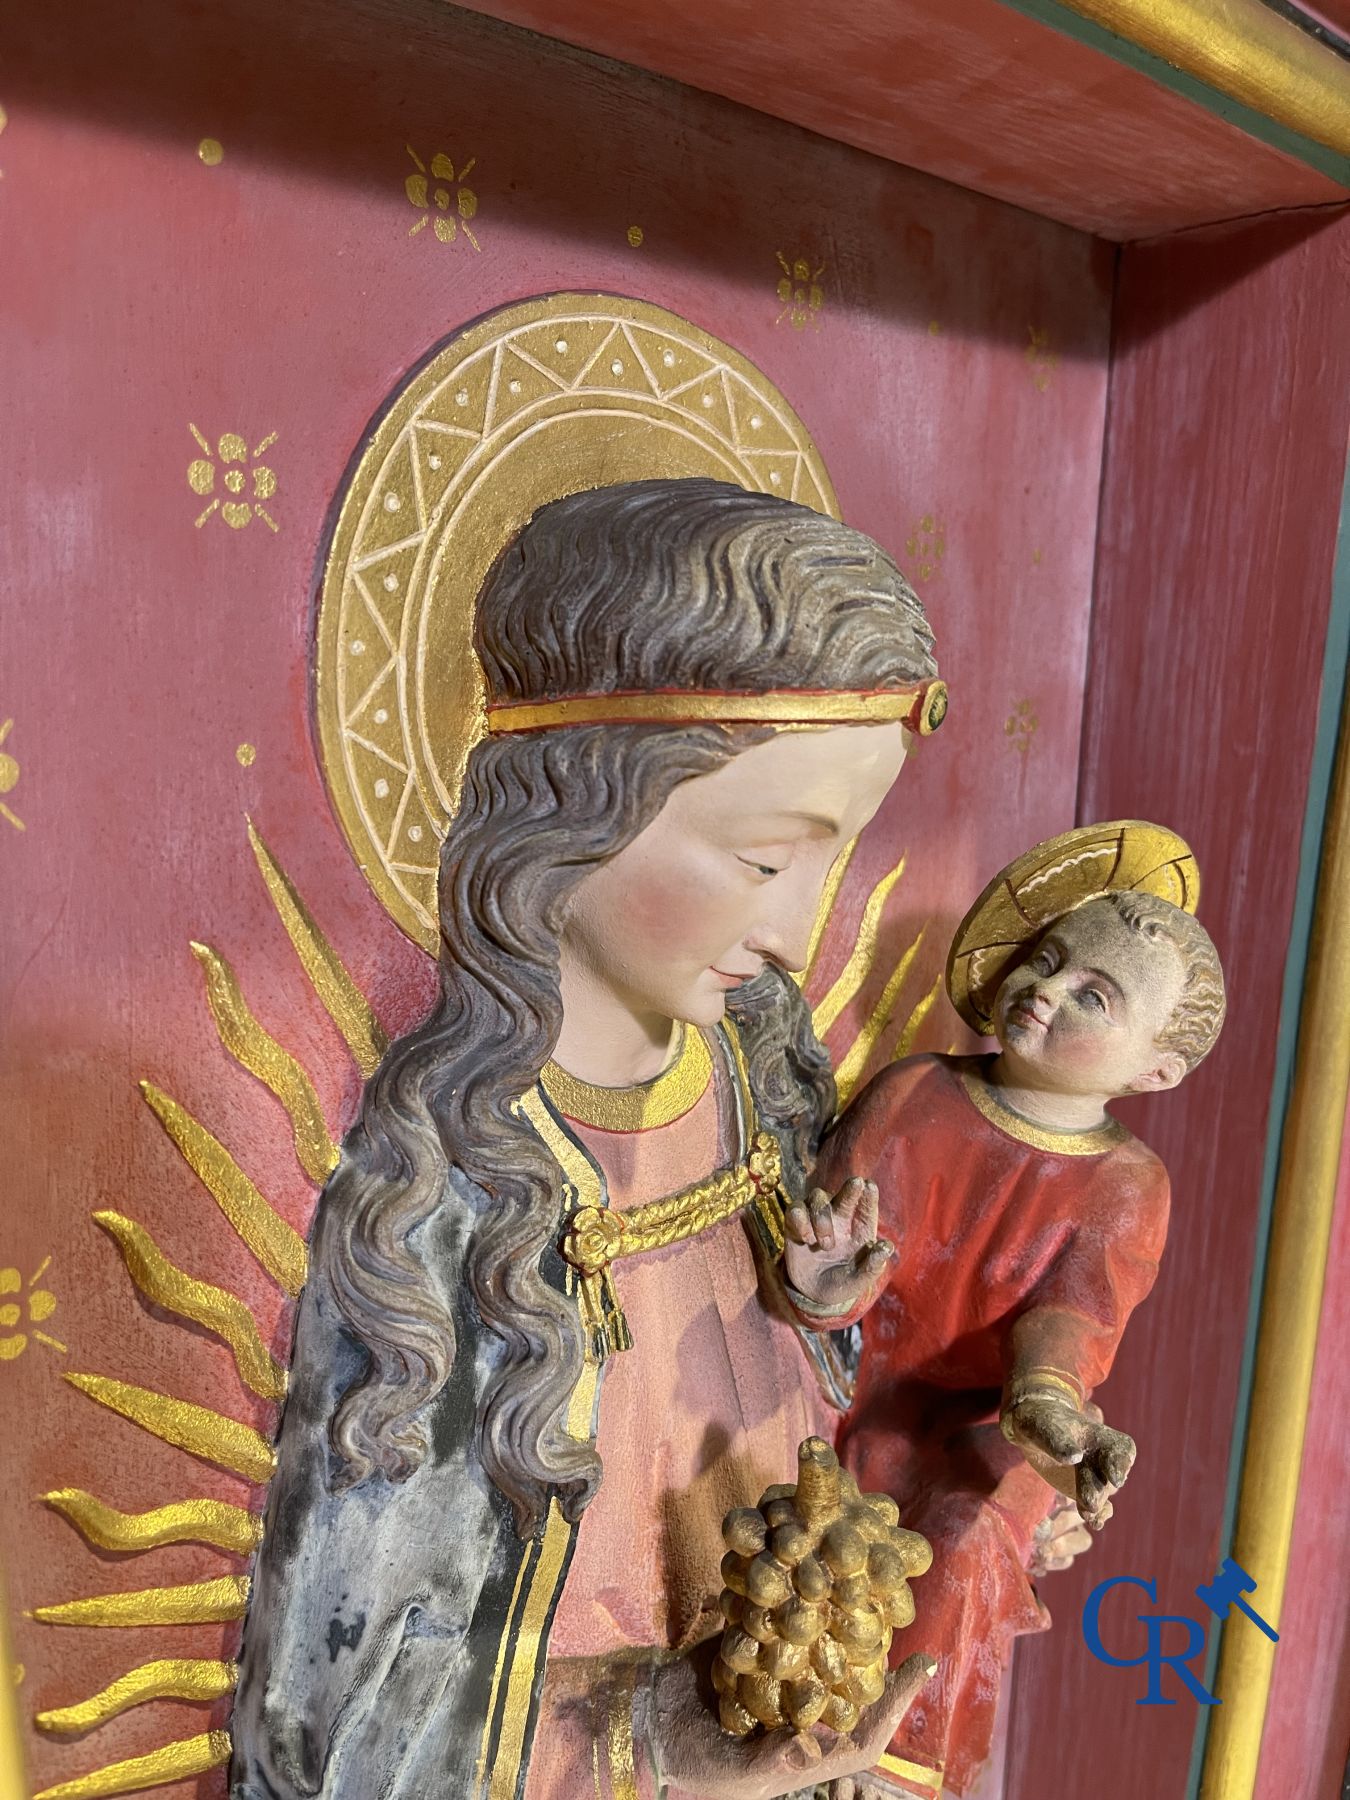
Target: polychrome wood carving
x: 1029, y: 1224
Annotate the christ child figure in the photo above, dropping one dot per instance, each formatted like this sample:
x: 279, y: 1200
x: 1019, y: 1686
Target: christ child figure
x: 1028, y: 1224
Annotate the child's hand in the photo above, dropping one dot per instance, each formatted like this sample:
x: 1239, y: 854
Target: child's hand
x: 833, y: 1255
x: 1048, y: 1425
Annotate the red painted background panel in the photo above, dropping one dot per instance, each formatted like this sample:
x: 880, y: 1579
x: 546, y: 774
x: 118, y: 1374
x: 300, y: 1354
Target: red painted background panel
x: 1335, y: 13
x: 956, y: 373
x: 1229, y: 412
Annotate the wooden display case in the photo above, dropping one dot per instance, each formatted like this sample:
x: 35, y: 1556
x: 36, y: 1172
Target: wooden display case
x: 1062, y: 295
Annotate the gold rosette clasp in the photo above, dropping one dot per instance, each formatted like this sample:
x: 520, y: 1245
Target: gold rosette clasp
x: 593, y: 1239
x: 765, y: 1163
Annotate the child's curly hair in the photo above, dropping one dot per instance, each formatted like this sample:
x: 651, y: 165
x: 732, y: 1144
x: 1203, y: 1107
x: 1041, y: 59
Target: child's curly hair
x: 1197, y: 1018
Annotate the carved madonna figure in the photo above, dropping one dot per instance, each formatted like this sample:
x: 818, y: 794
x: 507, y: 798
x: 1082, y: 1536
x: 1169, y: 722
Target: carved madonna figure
x: 493, y: 1536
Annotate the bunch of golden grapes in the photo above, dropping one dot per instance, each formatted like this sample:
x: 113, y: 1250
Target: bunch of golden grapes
x: 816, y: 1580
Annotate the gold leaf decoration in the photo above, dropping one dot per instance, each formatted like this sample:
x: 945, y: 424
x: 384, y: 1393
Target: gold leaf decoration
x: 172, y: 1762
x: 183, y: 1522
x: 170, y: 1678
x: 849, y: 1072
x: 209, y: 1435
x: 863, y: 959
x: 9, y: 778
x: 193, y: 1603
x: 829, y: 894
x: 344, y: 1002
x: 264, y: 1057
x: 914, y: 1023
x: 277, y: 1246
x: 164, y: 1284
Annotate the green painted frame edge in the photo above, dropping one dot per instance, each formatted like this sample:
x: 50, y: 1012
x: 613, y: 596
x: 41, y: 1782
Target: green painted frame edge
x: 1233, y: 112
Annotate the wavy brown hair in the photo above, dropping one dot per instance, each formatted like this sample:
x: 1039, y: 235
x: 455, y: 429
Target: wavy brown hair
x: 656, y: 584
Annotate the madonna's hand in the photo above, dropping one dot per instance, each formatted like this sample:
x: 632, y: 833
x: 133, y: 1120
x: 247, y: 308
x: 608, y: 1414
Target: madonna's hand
x: 691, y: 1750
x: 834, y: 1257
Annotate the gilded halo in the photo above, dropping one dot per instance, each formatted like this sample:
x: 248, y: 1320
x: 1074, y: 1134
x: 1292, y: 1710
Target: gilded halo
x: 534, y: 401
x: 1058, y: 875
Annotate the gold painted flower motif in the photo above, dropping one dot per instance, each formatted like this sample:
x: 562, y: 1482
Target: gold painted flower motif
x: 1020, y: 726
x: 800, y: 292
x: 37, y: 1305
x: 246, y: 481
x: 1041, y: 357
x: 9, y: 778
x: 926, y: 546
x: 434, y: 203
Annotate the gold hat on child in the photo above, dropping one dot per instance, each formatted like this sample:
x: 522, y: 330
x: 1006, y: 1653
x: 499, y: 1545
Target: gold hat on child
x: 1126, y: 855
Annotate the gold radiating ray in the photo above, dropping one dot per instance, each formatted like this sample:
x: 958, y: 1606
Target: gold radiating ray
x: 914, y: 1023
x: 830, y: 893
x: 166, y: 1285
x: 847, y: 1075
x: 263, y: 1056
x: 210, y: 1435
x: 171, y: 1678
x: 859, y: 965
x: 172, y: 1762
x: 184, y: 1522
x: 278, y: 1247
x: 346, y: 1005
x: 193, y: 1603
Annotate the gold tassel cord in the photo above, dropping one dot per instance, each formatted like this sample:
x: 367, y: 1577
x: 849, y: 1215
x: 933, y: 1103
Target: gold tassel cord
x: 833, y: 882
x: 849, y: 1072
x: 184, y: 1522
x: 212, y: 1602
x: 209, y: 1435
x: 167, y: 1286
x: 170, y: 1678
x: 859, y: 965
x: 598, y: 1236
x: 260, y: 1053
x: 276, y: 1245
x: 344, y: 1002
x: 172, y: 1762
x: 915, y: 1022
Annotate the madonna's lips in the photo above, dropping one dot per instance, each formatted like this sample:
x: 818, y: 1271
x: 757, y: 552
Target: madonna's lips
x: 735, y: 980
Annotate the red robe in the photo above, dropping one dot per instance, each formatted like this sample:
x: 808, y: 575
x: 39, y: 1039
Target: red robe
x: 987, y: 1227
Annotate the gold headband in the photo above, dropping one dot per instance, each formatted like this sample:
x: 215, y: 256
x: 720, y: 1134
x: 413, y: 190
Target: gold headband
x: 921, y: 708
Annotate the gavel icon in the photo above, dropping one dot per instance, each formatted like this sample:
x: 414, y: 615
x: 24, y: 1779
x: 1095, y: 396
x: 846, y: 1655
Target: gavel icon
x: 1227, y: 1589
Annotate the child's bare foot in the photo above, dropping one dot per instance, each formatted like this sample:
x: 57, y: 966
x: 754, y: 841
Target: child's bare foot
x: 1060, y: 1537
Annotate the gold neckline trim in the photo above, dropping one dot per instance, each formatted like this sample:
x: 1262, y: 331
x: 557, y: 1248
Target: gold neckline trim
x: 1041, y: 1137
x: 643, y: 1106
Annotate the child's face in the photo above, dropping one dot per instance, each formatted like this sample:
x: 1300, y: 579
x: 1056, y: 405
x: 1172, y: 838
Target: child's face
x: 1082, y: 1013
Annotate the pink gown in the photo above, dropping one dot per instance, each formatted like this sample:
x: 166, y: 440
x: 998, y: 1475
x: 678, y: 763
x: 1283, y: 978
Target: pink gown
x: 703, y: 1413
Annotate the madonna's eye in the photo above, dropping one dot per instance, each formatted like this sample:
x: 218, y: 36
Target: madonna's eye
x: 760, y: 868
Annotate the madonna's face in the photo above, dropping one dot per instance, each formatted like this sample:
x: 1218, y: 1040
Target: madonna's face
x: 730, y: 873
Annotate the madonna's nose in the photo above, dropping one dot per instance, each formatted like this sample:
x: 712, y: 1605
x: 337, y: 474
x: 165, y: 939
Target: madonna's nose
x: 784, y: 942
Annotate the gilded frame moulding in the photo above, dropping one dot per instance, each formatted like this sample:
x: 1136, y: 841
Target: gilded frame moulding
x: 1243, y: 50
x: 1291, y: 1305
